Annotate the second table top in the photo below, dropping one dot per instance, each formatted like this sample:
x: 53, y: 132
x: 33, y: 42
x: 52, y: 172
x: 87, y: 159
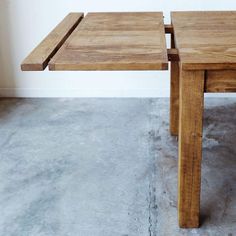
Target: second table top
x: 115, y: 41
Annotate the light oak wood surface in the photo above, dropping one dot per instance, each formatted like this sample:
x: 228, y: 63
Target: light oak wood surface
x: 115, y: 41
x: 41, y: 55
x: 205, y: 40
x: 190, y: 146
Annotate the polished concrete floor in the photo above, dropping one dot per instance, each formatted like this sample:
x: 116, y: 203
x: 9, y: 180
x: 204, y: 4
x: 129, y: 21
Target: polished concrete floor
x: 108, y: 167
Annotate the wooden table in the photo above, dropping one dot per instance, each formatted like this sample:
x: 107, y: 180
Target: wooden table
x: 206, y: 42
x: 203, y: 59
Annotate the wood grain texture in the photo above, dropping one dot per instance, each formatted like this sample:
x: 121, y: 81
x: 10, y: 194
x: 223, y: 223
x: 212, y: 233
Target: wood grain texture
x: 190, y: 147
x: 174, y: 93
x: 220, y: 81
x: 206, y: 40
x: 41, y: 55
x: 115, y: 41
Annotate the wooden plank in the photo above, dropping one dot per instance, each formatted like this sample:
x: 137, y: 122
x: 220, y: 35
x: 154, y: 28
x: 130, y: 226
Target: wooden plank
x: 41, y: 55
x: 190, y: 147
x: 115, y: 41
x: 206, y: 40
x: 174, y: 93
x: 220, y: 81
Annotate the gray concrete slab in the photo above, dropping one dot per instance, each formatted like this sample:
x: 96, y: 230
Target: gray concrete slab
x: 102, y: 167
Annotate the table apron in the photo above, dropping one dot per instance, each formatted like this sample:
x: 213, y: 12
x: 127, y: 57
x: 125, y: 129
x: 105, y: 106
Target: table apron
x: 220, y: 81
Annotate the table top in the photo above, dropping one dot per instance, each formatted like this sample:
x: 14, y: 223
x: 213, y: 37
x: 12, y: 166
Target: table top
x: 205, y: 40
x: 136, y: 41
x: 115, y: 41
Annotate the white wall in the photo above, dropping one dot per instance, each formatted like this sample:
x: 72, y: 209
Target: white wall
x: 23, y: 23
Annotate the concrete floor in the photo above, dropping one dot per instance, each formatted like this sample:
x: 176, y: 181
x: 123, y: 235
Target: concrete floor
x: 108, y: 167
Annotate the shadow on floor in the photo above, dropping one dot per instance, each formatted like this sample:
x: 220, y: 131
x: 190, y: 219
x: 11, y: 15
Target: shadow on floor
x: 219, y: 156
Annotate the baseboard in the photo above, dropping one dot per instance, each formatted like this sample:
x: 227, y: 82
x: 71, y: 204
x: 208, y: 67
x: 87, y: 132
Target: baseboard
x: 41, y: 93
x: 54, y: 93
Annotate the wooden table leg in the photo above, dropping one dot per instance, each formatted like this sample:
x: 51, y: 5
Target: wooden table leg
x: 190, y: 147
x: 174, y: 94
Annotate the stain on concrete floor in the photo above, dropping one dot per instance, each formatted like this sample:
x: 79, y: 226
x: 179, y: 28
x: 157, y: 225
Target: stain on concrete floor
x: 102, y: 167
